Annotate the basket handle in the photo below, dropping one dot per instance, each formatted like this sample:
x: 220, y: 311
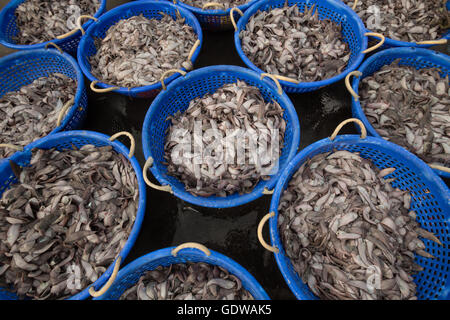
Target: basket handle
x: 164, y: 75
x: 64, y: 110
x: 54, y: 45
x: 354, y: 5
x: 232, y: 16
x: 267, y: 191
x: 108, y: 284
x: 260, y: 237
x: 149, y: 164
x: 274, y: 78
x: 213, y: 4
x: 129, y: 135
x: 348, y: 85
x: 194, y: 245
x: 343, y: 123
x: 191, y: 53
x: 11, y: 146
x: 441, y: 41
x: 95, y: 89
x: 379, y: 44
x: 79, y: 27
x: 438, y: 167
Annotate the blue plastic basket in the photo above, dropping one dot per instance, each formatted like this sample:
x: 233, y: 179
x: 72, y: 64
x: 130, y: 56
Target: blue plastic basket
x: 8, y: 29
x: 130, y: 274
x: 150, y: 9
x: 22, y: 68
x: 416, y: 57
x: 353, y: 31
x: 217, y: 19
x: 391, y: 43
x: 430, y: 200
x: 177, y: 98
x: 66, y: 140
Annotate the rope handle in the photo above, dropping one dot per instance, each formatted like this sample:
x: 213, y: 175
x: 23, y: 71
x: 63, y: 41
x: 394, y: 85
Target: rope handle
x: 343, y: 123
x: 79, y: 27
x: 441, y: 41
x: 54, y: 45
x: 164, y: 75
x: 149, y: 164
x: 354, y: 5
x: 129, y: 135
x: 64, y: 110
x: 266, y: 191
x: 271, y: 76
x: 191, y: 53
x: 260, y: 237
x: 232, y: 16
x: 348, y: 85
x: 194, y: 245
x: 213, y: 4
x: 109, y: 89
x: 438, y: 167
x: 379, y: 44
x: 11, y: 146
x: 108, y: 284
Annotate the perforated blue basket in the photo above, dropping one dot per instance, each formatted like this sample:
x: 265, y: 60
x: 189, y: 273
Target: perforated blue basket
x: 177, y: 98
x: 66, y: 140
x: 8, y: 29
x: 430, y: 200
x: 391, y: 43
x: 353, y: 31
x: 215, y: 19
x: 130, y: 274
x: 22, y: 68
x: 150, y: 9
x: 415, y: 57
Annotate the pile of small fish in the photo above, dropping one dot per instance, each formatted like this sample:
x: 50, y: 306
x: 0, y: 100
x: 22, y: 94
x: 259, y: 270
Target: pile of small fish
x: 225, y: 4
x: 294, y: 43
x: 189, y: 281
x: 405, y: 20
x: 65, y: 221
x: 411, y: 108
x: 32, y: 112
x: 236, y: 115
x: 43, y: 20
x: 348, y: 232
x: 136, y: 51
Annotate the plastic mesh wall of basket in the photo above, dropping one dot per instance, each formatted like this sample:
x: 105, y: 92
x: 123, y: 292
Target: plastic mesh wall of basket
x: 430, y: 200
x: 67, y: 140
x: 130, y: 275
x: 8, y: 29
x: 352, y: 31
x: 150, y: 9
x: 196, y: 84
x: 22, y: 68
x: 415, y: 57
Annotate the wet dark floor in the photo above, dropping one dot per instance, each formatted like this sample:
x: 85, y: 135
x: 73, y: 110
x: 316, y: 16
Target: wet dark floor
x: 169, y: 221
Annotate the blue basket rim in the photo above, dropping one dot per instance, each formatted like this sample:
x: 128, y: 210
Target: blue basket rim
x: 399, y: 43
x: 120, y: 148
x: 237, y: 269
x: 220, y: 202
x: 117, y: 11
x: 304, y: 85
x: 59, y: 42
x: 79, y: 77
x: 215, y: 12
x: 422, y: 53
x: 275, y: 240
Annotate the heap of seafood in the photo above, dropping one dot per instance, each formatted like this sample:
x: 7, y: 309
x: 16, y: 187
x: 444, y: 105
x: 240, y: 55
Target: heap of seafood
x: 137, y: 51
x: 43, y: 20
x: 234, y: 139
x: 189, y: 281
x: 32, y: 111
x: 293, y: 42
x: 220, y: 4
x: 348, y: 232
x: 65, y: 220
